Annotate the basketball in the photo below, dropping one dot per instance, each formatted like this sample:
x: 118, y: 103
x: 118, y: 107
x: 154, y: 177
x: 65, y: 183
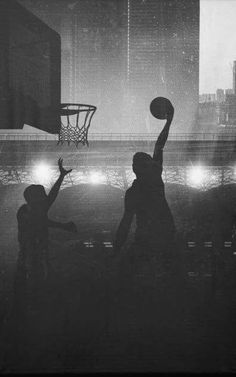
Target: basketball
x: 160, y: 107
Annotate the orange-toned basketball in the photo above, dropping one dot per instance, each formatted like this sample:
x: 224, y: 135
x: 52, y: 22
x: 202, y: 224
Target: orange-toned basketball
x: 160, y: 107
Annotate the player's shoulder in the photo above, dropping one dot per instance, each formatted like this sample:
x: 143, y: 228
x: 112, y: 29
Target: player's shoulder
x: 129, y: 191
x: 22, y: 211
x: 131, y: 194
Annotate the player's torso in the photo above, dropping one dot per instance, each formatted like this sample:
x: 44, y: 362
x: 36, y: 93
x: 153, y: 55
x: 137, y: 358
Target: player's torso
x: 32, y: 227
x: 153, y: 215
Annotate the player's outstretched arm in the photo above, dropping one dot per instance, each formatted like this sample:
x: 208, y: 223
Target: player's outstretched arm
x: 56, y: 187
x: 162, y: 138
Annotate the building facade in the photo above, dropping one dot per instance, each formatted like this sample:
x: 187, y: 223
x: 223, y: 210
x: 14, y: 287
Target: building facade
x: 234, y: 77
x: 220, y: 95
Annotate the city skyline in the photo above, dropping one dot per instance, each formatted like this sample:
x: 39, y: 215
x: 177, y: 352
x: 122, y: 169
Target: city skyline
x: 225, y: 91
x: 141, y: 48
x: 217, y: 50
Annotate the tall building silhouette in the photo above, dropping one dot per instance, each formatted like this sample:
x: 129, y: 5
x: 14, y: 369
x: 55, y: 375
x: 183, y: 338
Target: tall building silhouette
x: 120, y: 54
x: 234, y: 77
x: 164, y: 55
x: 220, y: 96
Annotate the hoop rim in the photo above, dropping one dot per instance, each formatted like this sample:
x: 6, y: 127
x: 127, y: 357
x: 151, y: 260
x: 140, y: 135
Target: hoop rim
x: 92, y: 107
x: 73, y: 131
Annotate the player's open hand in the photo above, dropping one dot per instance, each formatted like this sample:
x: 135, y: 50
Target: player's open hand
x: 63, y: 171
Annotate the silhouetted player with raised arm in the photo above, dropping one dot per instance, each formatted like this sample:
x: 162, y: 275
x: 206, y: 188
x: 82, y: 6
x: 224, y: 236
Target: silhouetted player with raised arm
x: 33, y: 224
x: 155, y: 229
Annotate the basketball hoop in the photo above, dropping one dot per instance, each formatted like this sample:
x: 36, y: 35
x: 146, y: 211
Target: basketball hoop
x: 75, y: 122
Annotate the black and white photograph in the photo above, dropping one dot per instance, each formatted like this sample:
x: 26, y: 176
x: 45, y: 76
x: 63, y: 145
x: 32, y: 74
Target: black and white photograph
x: 117, y: 186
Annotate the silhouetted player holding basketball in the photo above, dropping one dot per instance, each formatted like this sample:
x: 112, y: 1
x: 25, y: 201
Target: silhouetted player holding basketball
x: 155, y: 229
x: 33, y: 225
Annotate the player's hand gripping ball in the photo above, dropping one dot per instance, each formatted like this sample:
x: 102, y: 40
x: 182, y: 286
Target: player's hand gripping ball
x: 161, y: 108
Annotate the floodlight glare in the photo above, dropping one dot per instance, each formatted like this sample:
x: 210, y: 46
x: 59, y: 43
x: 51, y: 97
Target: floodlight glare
x: 42, y: 172
x: 97, y: 177
x: 196, y: 175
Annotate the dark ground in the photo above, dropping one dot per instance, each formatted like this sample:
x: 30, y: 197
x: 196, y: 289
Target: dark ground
x: 95, y: 313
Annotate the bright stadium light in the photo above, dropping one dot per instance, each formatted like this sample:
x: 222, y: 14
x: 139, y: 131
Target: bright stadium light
x: 42, y: 173
x: 96, y: 177
x: 196, y: 176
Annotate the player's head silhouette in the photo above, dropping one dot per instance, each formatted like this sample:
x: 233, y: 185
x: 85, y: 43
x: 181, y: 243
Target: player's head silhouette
x: 35, y: 195
x: 143, y: 165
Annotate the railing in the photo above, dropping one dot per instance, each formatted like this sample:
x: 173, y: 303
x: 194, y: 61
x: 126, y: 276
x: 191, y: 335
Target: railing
x: 153, y: 136
x: 27, y: 136
x: 14, y: 136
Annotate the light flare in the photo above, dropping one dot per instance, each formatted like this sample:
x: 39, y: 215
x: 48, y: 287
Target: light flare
x: 196, y: 176
x: 97, y: 177
x: 42, y: 173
